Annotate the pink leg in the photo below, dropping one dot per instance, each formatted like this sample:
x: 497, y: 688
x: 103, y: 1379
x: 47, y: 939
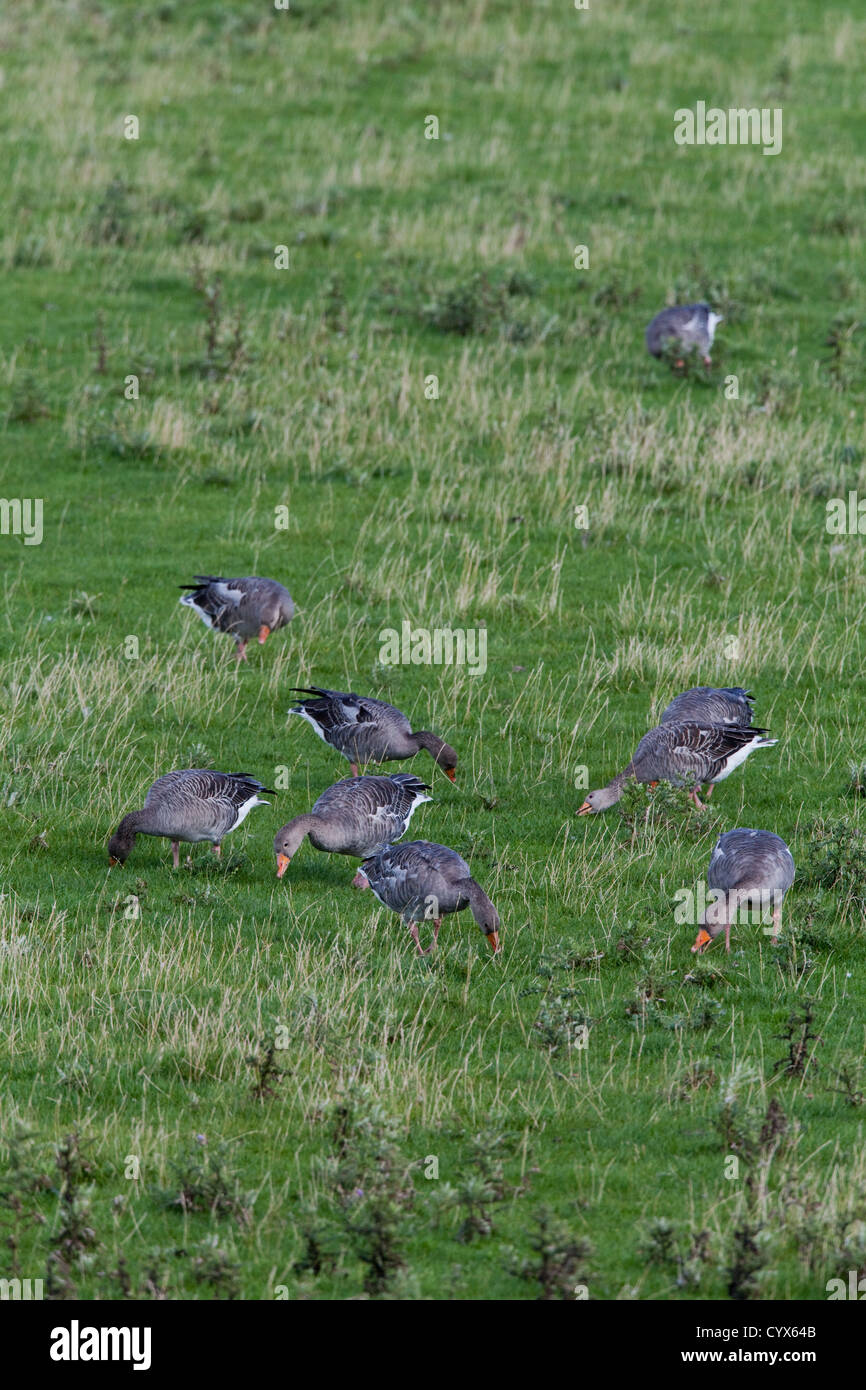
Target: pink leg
x: 693, y: 797
x: 777, y: 924
x: 413, y: 929
x: 353, y: 768
x: 217, y: 849
x: 708, y: 362
x: 175, y: 853
x: 727, y: 936
x: 242, y: 651
x: 708, y: 793
x: 436, y: 925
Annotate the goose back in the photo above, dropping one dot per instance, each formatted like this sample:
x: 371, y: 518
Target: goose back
x: 199, y: 804
x: 360, y: 815
x: 687, y: 753
x: 705, y: 704
x: 240, y: 607
x: 746, y: 859
x: 419, y: 879
x: 688, y: 325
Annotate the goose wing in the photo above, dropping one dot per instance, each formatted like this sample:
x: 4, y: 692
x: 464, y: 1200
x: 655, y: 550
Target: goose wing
x: 359, y: 727
x: 691, y: 752
x: 404, y: 877
x: 201, y: 799
x: 373, y: 810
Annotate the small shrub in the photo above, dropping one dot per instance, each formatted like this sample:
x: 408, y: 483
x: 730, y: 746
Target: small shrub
x: 111, y: 223
x: 204, y: 1182
x: 836, y: 859
x: 558, y: 1262
x: 28, y: 401
x: 798, y: 1034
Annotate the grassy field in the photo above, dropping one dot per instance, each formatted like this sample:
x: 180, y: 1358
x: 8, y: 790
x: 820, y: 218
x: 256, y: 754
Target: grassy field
x: 218, y: 1085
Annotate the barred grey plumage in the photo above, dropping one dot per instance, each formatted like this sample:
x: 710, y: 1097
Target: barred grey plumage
x: 244, y: 608
x: 707, y: 704
x: 684, y: 754
x: 685, y: 326
x: 369, y: 731
x: 753, y: 868
x: 425, y: 882
x: 356, y: 816
x: 190, y: 805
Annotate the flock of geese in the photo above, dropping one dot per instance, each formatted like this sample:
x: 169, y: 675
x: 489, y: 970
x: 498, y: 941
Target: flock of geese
x: 704, y: 734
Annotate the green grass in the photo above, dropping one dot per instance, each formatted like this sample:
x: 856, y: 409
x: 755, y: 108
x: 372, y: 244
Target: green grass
x: 135, y: 998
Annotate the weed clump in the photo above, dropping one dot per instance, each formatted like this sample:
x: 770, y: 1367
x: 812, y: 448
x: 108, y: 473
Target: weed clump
x: 836, y: 859
x: 479, y: 305
x: 559, y: 1262
x: 204, y: 1182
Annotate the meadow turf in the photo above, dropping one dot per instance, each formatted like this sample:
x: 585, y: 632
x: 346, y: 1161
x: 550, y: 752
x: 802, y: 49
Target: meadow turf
x: 583, y: 1095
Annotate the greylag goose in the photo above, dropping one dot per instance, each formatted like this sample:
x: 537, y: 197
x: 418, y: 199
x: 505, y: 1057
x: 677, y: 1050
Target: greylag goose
x: 704, y: 704
x: 751, y: 868
x: 369, y: 731
x: 686, y: 326
x: 423, y: 881
x: 244, y: 608
x: 191, y: 805
x: 357, y: 816
x: 707, y: 705
x: 684, y: 754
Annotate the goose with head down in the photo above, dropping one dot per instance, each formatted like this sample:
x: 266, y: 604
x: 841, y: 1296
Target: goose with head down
x: 748, y: 868
x: 190, y: 805
x: 685, y: 755
x: 685, y: 327
x: 369, y: 731
x: 243, y: 608
x: 356, y: 816
x: 426, y: 882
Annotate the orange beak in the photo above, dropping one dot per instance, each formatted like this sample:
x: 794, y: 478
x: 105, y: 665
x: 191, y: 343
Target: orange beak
x: 703, y: 940
x: 449, y: 772
x: 111, y: 862
x: 264, y: 633
x: 283, y: 862
x: 493, y: 938
x: 585, y: 809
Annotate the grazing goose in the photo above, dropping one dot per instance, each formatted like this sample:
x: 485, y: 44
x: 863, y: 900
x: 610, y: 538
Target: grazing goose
x: 685, y: 325
x: 196, y: 804
x: 369, y: 731
x: 244, y: 608
x: 706, y: 705
x: 423, y: 881
x: 358, y: 816
x: 684, y: 754
x: 751, y: 868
